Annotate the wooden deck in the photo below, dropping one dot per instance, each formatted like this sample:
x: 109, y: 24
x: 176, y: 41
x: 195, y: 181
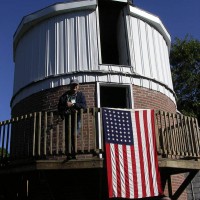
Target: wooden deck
x: 175, y: 166
x: 37, y: 142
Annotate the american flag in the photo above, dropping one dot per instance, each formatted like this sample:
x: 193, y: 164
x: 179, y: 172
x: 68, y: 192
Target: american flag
x: 132, y: 165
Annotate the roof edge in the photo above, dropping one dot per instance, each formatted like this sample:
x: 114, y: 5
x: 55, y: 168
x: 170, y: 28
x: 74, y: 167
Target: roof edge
x: 153, y: 20
x: 50, y: 11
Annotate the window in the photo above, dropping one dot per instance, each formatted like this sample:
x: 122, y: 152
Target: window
x: 113, y: 33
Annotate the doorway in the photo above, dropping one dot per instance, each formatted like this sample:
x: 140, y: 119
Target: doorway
x: 115, y: 96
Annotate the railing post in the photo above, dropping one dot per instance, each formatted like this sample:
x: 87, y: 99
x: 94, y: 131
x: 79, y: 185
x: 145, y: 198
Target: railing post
x: 39, y: 133
x: 188, y: 136
x: 3, y: 139
x: 157, y: 132
x: 63, y: 136
x: 194, y: 137
x: 57, y: 138
x: 88, y: 129
x: 45, y: 133
x: 162, y: 134
x: 34, y: 132
x: 167, y: 133
x: 94, y: 129
x: 7, y: 138
x: 172, y: 134
x: 82, y: 139
x: 177, y: 136
x: 51, y: 133
x: 1, y: 142
x: 101, y: 132
x: 69, y: 134
x: 75, y: 133
x: 180, y: 135
x: 186, y: 153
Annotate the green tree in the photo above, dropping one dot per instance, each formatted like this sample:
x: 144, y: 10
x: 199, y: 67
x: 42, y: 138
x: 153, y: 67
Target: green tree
x: 185, y: 66
x: 4, y: 152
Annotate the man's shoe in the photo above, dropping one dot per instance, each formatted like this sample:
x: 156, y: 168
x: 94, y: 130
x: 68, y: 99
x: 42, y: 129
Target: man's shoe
x: 68, y: 157
x: 73, y: 157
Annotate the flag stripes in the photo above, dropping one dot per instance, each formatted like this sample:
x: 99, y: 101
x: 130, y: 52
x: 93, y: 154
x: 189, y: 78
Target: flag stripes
x: 131, y: 157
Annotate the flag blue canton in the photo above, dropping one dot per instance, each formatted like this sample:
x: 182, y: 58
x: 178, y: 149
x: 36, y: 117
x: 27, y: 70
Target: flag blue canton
x: 117, y: 126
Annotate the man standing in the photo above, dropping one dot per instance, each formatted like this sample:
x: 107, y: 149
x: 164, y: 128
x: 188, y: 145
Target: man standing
x: 70, y: 103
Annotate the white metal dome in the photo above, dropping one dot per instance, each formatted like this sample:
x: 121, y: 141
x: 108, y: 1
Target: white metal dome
x: 65, y: 40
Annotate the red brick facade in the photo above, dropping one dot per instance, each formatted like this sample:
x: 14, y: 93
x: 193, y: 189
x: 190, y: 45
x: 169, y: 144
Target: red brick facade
x: 48, y: 99
x: 145, y: 98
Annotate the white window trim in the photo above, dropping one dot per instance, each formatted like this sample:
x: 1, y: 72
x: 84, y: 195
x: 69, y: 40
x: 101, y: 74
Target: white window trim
x: 99, y: 84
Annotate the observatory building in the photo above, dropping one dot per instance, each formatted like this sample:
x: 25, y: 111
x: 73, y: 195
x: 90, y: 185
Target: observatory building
x: 118, y: 52
x: 120, y: 56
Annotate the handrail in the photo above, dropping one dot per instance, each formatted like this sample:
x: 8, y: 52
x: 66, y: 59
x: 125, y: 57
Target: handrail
x: 179, y: 135
x: 41, y: 135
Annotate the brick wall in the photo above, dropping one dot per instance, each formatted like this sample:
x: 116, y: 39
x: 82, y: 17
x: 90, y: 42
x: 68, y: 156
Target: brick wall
x: 145, y: 98
x: 176, y: 181
x: 48, y: 99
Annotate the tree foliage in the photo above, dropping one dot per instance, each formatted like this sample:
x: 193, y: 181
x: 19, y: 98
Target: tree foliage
x: 4, y: 151
x: 185, y: 66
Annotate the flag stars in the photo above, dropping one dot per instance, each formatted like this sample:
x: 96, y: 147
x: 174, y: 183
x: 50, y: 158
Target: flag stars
x: 118, y: 125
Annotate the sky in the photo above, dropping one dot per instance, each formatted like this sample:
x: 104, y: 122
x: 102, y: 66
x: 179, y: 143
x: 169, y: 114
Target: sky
x: 180, y: 17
